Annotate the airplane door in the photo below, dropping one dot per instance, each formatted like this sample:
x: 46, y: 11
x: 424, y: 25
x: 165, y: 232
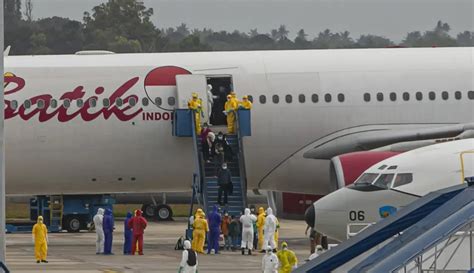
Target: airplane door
x: 188, y: 84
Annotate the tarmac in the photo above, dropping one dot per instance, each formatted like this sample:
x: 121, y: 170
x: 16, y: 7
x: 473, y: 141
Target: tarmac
x: 75, y: 252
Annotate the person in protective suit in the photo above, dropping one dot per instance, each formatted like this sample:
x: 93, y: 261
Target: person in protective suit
x: 245, y: 103
x: 230, y: 107
x: 287, y: 259
x: 195, y: 104
x: 269, y: 229
x: 214, y: 220
x: 99, y: 231
x: 260, y: 224
x: 108, y: 231
x: 138, y: 225
x: 128, y: 236
x: 270, y: 261
x: 247, y: 221
x: 40, y: 239
x: 200, y: 228
x: 189, y: 262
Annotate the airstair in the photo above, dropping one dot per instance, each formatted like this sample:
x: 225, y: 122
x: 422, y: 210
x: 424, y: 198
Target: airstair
x: 205, y: 186
x: 415, y: 236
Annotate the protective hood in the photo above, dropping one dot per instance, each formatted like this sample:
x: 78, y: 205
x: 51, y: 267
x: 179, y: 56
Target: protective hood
x: 214, y: 209
x: 40, y: 219
x: 138, y: 212
x: 269, y: 211
x: 187, y: 244
x: 284, y: 245
x: 261, y: 210
x: 108, y: 212
x: 129, y: 215
x: 247, y: 212
x: 100, y: 211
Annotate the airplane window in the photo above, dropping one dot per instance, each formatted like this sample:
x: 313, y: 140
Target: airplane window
x: 27, y: 104
x: 92, y: 102
x: 250, y: 97
x: 132, y: 101
x: 419, y: 96
x: 275, y: 99
x: 432, y: 95
x: 393, y: 96
x: 106, y: 102
x: 53, y: 103
x: 288, y: 98
x: 171, y: 101
x: 406, y: 96
x: 457, y: 95
x: 66, y: 103
x: 367, y: 97
x: 382, y: 167
x: 315, y: 98
x: 145, y: 101
x: 402, y: 179
x: 119, y: 102
x: 380, y: 96
x: 80, y: 103
x: 158, y: 101
x: 263, y: 99
x: 392, y: 167
x: 366, y: 178
x: 302, y: 98
x: 384, y: 180
x: 340, y: 97
x: 327, y: 97
x: 13, y: 104
x: 470, y: 95
x: 40, y: 104
x: 445, y: 95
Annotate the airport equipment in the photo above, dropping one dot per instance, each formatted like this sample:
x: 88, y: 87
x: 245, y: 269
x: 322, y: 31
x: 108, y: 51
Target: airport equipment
x: 204, y: 180
x: 407, y: 238
x: 62, y: 212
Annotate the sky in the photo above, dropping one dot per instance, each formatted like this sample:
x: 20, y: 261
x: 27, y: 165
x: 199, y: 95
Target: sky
x: 390, y: 18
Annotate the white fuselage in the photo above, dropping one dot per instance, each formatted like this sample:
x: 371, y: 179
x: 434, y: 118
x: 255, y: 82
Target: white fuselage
x: 424, y: 170
x: 106, y: 149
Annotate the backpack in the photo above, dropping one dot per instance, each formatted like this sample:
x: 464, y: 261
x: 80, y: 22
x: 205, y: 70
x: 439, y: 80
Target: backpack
x: 191, y: 258
x: 179, y: 244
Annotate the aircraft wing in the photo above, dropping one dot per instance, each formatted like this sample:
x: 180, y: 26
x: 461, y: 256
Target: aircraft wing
x: 364, y: 141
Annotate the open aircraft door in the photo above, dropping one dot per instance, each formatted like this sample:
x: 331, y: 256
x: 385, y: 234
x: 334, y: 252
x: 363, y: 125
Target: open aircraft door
x: 189, y: 84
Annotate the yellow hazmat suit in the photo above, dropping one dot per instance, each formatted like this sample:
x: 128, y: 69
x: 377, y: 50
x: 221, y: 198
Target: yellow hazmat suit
x: 246, y: 104
x: 195, y: 104
x: 260, y: 224
x: 230, y: 107
x: 200, y: 228
x: 40, y: 237
x: 276, y: 231
x: 287, y: 259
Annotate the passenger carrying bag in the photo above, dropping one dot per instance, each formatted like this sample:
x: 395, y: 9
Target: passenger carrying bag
x: 191, y: 258
x: 179, y: 244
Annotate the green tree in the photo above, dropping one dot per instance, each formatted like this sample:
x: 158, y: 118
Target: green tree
x: 114, y: 20
x: 38, y: 44
x: 301, y: 42
x: 439, y: 36
x: 465, y: 38
x: 63, y: 36
x: 373, y: 41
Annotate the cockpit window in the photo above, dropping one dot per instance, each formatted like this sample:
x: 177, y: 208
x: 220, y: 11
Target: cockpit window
x: 366, y: 178
x: 382, y: 167
x: 384, y: 180
x: 402, y: 179
x: 392, y: 167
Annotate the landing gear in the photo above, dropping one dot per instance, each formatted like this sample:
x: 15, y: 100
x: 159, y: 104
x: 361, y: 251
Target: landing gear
x: 161, y: 212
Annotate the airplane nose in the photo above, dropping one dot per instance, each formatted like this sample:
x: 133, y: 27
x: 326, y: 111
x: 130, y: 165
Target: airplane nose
x: 310, y: 215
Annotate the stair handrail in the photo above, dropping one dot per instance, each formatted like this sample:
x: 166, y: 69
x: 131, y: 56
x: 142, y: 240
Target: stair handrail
x: 241, y: 158
x: 198, y: 160
x: 4, y: 267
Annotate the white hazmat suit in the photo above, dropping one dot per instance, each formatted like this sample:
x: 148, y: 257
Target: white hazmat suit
x: 99, y: 231
x: 247, y: 221
x: 184, y: 267
x: 270, y: 262
x: 269, y: 229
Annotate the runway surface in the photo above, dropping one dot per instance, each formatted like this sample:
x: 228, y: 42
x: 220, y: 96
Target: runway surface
x: 75, y: 252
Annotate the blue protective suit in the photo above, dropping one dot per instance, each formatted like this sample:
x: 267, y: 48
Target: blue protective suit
x: 214, y: 220
x: 108, y: 231
x: 127, y: 245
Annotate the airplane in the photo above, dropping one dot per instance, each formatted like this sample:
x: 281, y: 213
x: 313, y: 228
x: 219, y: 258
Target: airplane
x: 98, y: 122
x: 390, y: 185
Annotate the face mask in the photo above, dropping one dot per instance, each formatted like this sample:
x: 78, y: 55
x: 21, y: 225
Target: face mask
x: 224, y: 167
x: 226, y: 214
x: 219, y: 137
